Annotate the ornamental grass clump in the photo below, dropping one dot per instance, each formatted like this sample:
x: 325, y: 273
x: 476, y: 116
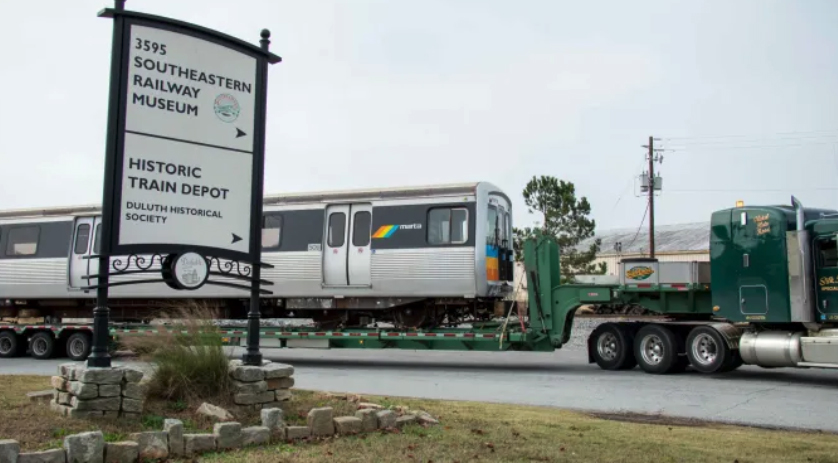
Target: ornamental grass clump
x: 186, y: 355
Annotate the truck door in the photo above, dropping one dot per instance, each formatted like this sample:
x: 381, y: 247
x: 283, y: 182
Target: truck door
x: 80, y: 249
x: 826, y: 277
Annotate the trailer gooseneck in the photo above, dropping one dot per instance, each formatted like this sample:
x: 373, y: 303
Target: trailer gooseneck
x: 768, y: 297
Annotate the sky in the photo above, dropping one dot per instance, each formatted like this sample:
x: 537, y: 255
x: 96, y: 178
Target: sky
x: 376, y: 93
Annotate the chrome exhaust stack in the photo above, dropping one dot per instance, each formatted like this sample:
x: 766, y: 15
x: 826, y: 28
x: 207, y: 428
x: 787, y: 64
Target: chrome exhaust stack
x: 801, y: 274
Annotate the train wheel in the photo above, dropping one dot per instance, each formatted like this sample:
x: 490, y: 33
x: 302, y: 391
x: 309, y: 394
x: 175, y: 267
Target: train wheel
x: 42, y: 345
x: 410, y: 316
x: 708, y: 352
x: 9, y: 344
x: 610, y: 346
x: 656, y: 349
x: 78, y: 346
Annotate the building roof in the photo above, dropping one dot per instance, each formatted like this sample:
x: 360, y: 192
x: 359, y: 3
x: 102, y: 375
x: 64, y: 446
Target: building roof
x: 685, y: 237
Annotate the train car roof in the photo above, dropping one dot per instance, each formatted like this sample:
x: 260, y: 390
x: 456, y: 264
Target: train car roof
x: 288, y: 198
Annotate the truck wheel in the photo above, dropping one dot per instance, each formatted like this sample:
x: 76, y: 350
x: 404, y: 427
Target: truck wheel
x: 42, y: 345
x: 78, y: 346
x: 656, y: 350
x: 9, y: 345
x: 708, y: 352
x: 734, y: 361
x: 610, y: 346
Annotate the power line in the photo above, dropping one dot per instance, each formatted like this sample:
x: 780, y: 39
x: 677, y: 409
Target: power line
x: 729, y: 147
x: 631, y: 182
x: 751, y: 190
x: 637, y: 233
x: 705, y: 137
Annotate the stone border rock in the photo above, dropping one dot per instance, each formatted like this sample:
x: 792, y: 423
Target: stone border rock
x: 82, y: 392
x: 90, y: 447
x: 261, y: 387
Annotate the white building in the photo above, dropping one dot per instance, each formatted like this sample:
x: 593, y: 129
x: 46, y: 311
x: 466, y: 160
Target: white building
x: 681, y: 242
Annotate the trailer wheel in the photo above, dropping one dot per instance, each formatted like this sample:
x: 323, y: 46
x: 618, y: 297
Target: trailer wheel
x: 610, y: 346
x: 709, y: 353
x: 78, y: 346
x: 42, y: 345
x: 9, y: 345
x: 656, y: 349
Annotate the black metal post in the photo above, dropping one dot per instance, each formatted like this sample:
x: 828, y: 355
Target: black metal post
x: 99, y: 356
x: 253, y: 356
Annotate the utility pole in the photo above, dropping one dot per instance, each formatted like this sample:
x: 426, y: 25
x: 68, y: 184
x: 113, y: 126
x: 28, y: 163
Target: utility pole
x: 651, y: 185
x: 651, y: 197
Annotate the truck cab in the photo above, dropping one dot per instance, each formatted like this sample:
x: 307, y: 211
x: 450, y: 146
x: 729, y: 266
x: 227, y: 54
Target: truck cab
x: 824, y: 234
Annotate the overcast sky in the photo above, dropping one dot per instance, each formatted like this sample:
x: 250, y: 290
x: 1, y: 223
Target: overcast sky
x: 387, y: 93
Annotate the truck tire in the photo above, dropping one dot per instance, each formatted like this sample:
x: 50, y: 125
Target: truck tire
x: 709, y: 353
x: 610, y: 346
x: 9, y: 344
x: 42, y: 345
x: 656, y: 349
x: 78, y: 346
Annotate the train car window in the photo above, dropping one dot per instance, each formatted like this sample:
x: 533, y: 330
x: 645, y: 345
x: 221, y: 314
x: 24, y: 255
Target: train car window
x: 271, y: 231
x: 337, y: 229
x: 361, y: 228
x: 507, y: 225
x: 96, y: 239
x: 492, y: 225
x: 82, y: 239
x: 23, y: 241
x: 447, y: 226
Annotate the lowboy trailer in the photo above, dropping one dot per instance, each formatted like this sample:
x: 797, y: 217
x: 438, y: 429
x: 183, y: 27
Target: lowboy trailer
x: 767, y: 297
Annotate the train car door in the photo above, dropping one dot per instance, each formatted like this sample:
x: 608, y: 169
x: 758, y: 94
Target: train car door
x: 334, y: 248
x: 359, y: 257
x: 80, y: 249
x: 346, y: 256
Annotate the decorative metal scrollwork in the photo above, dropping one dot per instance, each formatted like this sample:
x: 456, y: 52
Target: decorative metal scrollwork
x: 228, y: 267
x: 142, y: 263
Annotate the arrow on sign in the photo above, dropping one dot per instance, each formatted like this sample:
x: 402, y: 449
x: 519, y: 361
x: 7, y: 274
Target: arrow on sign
x: 236, y: 238
x: 239, y: 133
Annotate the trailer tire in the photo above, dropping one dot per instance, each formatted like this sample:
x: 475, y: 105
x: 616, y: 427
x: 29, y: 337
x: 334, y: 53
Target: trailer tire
x: 42, y: 345
x: 656, y: 349
x: 610, y: 346
x: 709, y: 353
x: 78, y: 346
x: 9, y: 344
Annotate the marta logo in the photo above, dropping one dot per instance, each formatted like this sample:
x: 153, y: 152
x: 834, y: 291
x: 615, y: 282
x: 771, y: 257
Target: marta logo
x: 386, y: 231
x: 226, y: 107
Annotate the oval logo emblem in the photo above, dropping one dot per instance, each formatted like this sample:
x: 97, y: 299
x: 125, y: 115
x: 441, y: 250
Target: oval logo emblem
x: 226, y: 107
x: 639, y: 273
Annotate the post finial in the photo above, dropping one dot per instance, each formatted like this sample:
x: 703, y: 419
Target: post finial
x: 266, y: 35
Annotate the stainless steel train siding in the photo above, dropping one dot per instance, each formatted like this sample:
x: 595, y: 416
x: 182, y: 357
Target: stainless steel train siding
x: 438, y: 241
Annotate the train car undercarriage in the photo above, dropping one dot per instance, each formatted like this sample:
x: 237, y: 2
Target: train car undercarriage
x: 326, y: 313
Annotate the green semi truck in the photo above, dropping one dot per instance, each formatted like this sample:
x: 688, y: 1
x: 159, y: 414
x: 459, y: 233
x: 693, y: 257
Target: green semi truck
x: 767, y: 297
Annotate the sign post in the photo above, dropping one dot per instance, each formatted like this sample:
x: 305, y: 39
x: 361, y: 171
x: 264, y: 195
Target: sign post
x: 184, y: 162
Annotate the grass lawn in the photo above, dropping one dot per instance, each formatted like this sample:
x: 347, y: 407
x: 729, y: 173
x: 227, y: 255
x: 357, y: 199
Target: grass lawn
x: 468, y: 432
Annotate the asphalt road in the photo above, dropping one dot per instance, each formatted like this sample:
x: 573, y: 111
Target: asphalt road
x: 775, y: 398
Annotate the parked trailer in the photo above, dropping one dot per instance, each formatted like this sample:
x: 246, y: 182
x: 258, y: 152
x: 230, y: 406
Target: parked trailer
x: 768, y: 297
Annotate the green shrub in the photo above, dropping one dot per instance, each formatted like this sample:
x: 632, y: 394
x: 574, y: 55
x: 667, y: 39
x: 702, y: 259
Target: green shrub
x: 187, y: 356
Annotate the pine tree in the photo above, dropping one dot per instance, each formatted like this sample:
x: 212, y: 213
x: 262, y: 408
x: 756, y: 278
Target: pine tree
x: 565, y: 218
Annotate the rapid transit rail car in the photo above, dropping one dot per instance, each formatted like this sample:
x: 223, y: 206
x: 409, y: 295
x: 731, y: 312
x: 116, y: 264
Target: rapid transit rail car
x: 415, y: 256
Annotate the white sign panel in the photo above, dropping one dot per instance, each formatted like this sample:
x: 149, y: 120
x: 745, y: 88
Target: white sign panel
x: 188, y: 152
